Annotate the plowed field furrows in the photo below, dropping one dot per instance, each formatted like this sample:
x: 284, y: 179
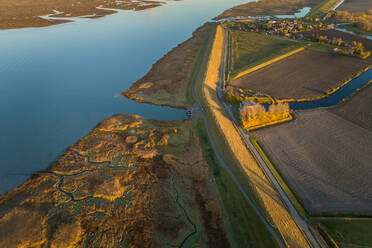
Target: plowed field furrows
x: 303, y: 75
x: 358, y: 110
x: 325, y: 159
x: 356, y: 5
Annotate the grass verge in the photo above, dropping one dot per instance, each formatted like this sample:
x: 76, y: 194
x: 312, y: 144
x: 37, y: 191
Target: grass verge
x: 347, y: 232
x: 197, y: 66
x: 291, y: 195
x: 247, y: 229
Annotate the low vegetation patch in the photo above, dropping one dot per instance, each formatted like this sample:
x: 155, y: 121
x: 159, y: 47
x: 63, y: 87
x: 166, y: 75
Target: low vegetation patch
x: 152, y: 191
x: 170, y: 80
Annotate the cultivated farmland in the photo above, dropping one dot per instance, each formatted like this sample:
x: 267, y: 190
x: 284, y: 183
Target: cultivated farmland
x: 358, y: 109
x: 303, y: 75
x: 325, y: 159
x: 356, y: 5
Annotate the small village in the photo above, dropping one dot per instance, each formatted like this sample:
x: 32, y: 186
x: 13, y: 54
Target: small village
x: 303, y: 29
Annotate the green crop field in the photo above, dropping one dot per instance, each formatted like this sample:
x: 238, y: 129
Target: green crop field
x: 251, y: 49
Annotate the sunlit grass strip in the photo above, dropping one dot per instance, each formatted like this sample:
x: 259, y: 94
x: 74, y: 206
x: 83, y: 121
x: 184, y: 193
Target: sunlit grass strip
x: 289, y: 118
x: 255, y: 68
x: 245, y: 162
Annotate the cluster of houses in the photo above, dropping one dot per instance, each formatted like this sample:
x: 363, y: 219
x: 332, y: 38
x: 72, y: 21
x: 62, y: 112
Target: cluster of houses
x: 343, y: 47
x: 285, y: 27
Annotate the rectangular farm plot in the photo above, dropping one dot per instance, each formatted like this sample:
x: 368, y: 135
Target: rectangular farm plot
x: 356, y: 5
x: 358, y: 110
x: 325, y: 159
x: 303, y: 75
x: 251, y: 49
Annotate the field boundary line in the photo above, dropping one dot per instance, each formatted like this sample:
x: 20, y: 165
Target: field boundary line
x: 260, y: 66
x: 291, y: 194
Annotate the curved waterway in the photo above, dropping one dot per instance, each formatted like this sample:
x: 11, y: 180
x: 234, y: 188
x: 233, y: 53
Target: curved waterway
x: 58, y: 82
x: 337, y: 96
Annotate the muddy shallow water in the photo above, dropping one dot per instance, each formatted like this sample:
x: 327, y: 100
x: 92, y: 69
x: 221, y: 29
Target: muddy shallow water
x: 58, y: 82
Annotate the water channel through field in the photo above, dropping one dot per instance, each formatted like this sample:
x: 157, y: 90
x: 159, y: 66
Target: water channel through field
x: 58, y: 82
x: 337, y: 96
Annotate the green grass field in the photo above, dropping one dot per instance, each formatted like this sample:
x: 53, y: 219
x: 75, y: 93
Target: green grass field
x: 245, y: 226
x: 348, y: 232
x: 292, y: 196
x: 251, y: 49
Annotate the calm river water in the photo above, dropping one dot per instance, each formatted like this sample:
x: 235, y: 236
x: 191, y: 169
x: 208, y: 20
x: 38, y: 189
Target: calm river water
x: 57, y: 83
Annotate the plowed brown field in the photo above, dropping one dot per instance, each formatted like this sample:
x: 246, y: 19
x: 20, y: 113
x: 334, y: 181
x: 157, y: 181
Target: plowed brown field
x: 304, y: 75
x: 325, y: 159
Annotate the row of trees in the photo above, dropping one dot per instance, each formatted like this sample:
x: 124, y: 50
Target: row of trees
x: 362, y: 21
x: 353, y: 48
x: 256, y: 115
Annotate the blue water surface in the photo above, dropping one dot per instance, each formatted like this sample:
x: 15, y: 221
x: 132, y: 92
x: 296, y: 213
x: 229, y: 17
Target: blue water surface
x: 58, y: 82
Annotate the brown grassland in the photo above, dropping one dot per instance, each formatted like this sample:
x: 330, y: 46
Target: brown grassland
x: 167, y: 81
x: 268, y: 7
x: 24, y: 13
x: 131, y: 182
x: 356, y: 5
x: 303, y: 75
x: 245, y: 163
x: 325, y: 159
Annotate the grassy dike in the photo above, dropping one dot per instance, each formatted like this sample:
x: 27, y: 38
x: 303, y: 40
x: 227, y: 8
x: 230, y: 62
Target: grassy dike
x: 240, y: 160
x: 244, y: 227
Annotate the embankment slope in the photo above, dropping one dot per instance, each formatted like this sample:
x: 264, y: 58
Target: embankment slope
x: 259, y: 183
